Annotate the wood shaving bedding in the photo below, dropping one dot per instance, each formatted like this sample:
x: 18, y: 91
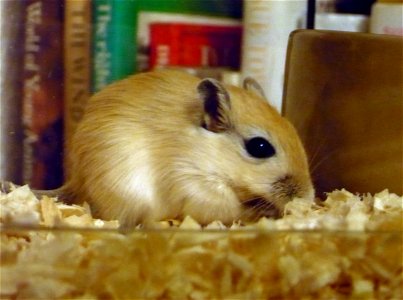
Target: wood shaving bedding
x: 349, y: 246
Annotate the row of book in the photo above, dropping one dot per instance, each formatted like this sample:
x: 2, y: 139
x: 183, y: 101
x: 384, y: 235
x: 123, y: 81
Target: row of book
x: 59, y: 52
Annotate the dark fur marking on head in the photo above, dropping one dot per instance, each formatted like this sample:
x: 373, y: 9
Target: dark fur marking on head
x: 216, y: 104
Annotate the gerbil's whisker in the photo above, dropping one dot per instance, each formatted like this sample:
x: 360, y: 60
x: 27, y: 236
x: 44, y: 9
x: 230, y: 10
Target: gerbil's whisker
x: 315, y: 154
x: 317, y: 164
x: 255, y: 208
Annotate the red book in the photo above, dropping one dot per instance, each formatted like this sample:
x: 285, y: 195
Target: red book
x: 195, y: 45
x: 43, y: 94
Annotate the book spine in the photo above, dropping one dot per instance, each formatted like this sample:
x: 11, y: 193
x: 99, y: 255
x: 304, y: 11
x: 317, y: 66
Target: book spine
x: 267, y: 25
x: 11, y: 32
x: 42, y: 111
x: 77, y: 66
x: 101, y: 65
x: 113, y: 41
x: 160, y: 47
x: 122, y: 38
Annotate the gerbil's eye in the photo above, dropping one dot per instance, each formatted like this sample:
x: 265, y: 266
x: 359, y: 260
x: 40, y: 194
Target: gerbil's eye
x: 259, y: 147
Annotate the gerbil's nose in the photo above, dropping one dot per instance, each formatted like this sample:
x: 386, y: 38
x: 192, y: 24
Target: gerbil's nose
x: 288, y: 187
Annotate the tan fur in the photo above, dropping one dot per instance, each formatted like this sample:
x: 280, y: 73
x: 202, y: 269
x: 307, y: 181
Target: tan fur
x: 140, y: 154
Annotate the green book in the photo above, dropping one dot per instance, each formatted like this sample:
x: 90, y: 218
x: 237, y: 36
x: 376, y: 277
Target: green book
x: 115, y: 29
x: 113, y: 41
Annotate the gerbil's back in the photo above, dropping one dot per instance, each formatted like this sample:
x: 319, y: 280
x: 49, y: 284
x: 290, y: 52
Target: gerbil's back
x: 146, y: 99
x: 124, y: 135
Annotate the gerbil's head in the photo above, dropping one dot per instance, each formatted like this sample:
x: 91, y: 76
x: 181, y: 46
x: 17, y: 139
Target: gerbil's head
x: 248, y: 147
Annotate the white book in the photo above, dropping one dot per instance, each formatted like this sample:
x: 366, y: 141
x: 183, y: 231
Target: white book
x: 267, y: 25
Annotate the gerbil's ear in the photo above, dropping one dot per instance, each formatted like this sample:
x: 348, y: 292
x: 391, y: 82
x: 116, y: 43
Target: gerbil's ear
x: 252, y: 85
x: 217, y: 105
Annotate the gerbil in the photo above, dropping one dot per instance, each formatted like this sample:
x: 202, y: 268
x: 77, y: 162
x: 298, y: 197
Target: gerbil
x: 166, y: 144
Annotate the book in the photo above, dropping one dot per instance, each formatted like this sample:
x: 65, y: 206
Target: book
x: 386, y: 18
x: 42, y: 111
x: 77, y: 68
x: 267, y: 25
x: 115, y: 31
x: 11, y: 51
x: 195, y: 45
x: 145, y: 18
x: 113, y: 48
